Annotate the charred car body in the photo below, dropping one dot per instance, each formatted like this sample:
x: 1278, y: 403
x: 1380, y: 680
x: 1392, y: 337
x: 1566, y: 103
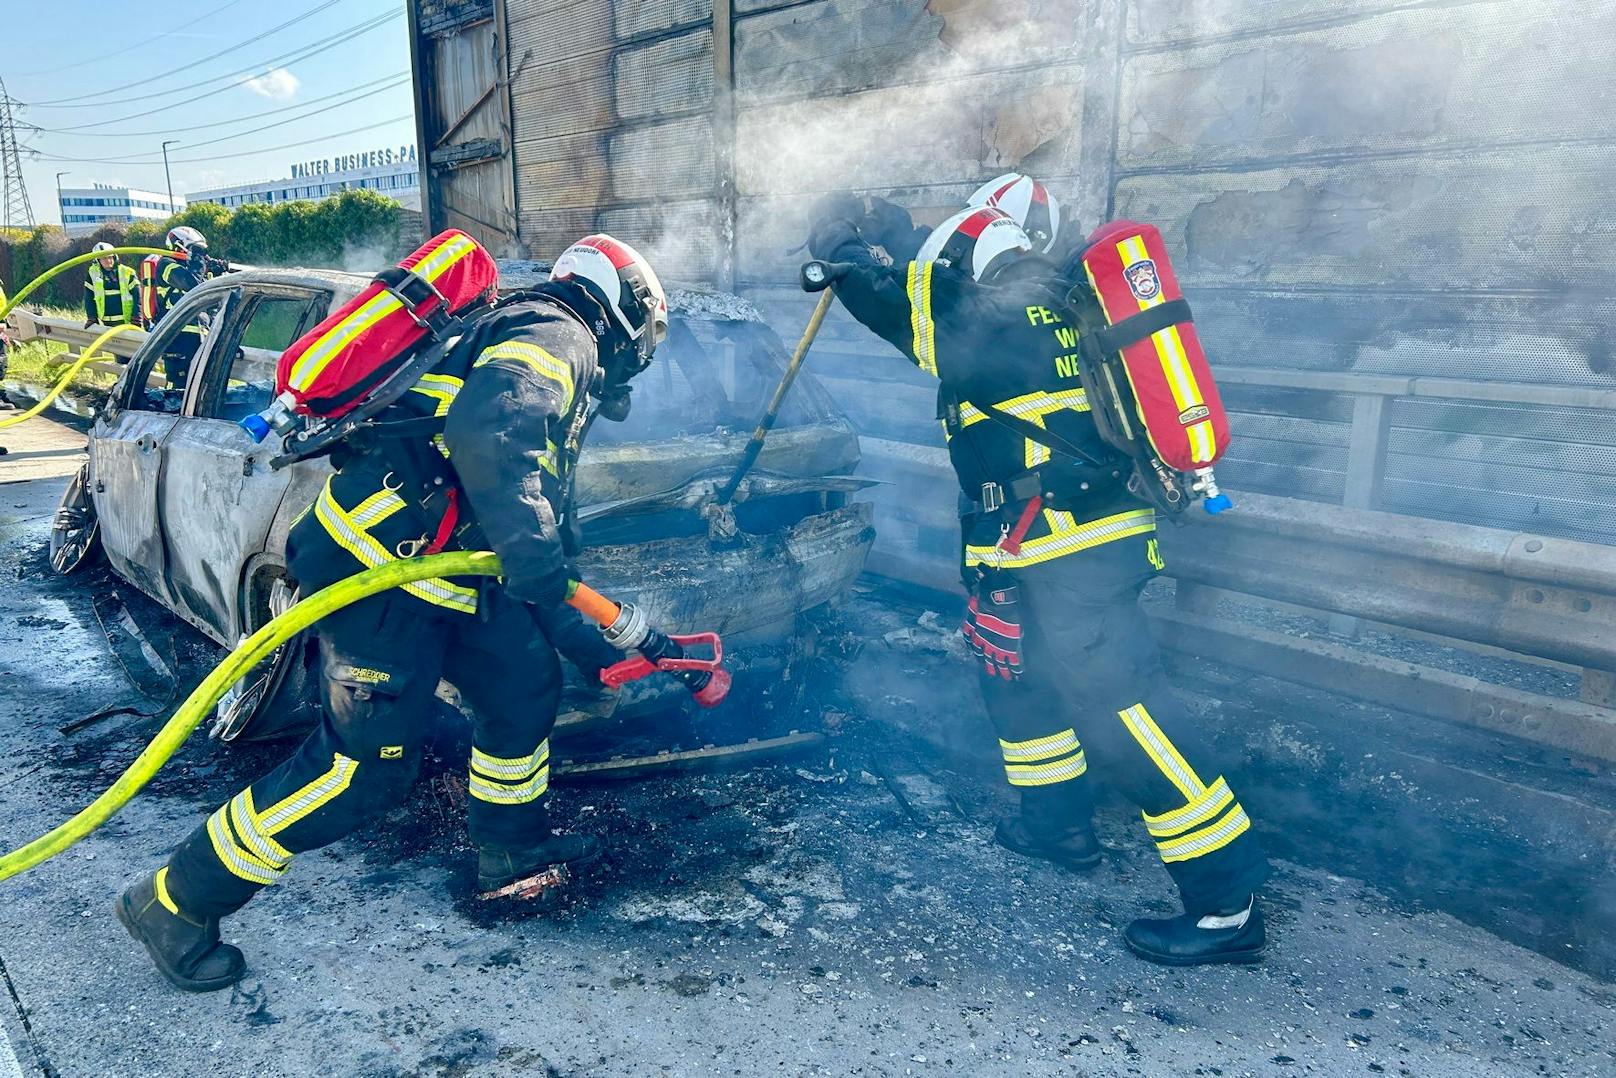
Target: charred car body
x: 186, y: 507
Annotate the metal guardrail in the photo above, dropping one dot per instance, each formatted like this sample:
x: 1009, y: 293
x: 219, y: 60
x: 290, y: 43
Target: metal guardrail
x: 28, y: 326
x: 1535, y: 596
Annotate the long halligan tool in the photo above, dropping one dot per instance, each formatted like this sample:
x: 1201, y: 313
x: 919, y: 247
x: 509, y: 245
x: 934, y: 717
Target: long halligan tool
x: 626, y: 628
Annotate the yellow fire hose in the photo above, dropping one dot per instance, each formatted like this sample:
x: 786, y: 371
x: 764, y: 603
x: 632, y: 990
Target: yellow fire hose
x: 72, y: 371
x: 76, y: 260
x: 250, y: 653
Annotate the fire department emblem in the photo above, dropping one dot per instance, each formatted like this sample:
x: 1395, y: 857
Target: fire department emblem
x: 1142, y: 279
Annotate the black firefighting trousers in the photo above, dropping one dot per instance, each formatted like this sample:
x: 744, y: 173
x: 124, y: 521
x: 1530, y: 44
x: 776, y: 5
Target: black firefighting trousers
x: 1094, y: 683
x: 382, y: 658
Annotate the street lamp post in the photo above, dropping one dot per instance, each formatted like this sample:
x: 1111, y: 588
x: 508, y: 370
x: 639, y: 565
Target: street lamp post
x: 61, y: 211
x: 166, y: 177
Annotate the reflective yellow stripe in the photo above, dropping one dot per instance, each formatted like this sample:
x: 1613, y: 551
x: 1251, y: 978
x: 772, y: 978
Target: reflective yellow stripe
x: 921, y: 327
x: 1047, y: 774
x: 161, y: 885
x: 441, y: 388
x: 548, y: 460
x: 517, y: 767
x: 1039, y: 748
x: 1207, y: 840
x: 537, y: 358
x: 238, y: 861
x: 288, y: 810
x: 494, y: 793
x: 349, y: 534
x: 311, y: 363
x: 1030, y: 404
x: 1206, y: 807
x: 1162, y: 751
x: 1066, y: 536
x: 1170, y: 354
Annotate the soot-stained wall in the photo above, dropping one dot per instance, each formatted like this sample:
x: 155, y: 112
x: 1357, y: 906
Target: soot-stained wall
x: 1378, y: 186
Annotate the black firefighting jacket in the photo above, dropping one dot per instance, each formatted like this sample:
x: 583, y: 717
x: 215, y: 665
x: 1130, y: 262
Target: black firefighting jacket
x: 1007, y: 345
x: 511, y: 397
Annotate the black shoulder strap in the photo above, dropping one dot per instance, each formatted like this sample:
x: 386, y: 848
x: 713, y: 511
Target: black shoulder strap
x: 1147, y: 322
x: 1034, y: 433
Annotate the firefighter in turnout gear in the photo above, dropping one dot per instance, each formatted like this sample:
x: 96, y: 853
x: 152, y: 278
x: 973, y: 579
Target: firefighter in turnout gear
x: 166, y: 278
x: 1056, y: 551
x: 111, y: 291
x: 486, y: 461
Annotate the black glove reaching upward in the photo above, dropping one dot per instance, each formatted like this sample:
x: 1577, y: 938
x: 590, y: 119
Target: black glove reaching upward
x: 889, y: 226
x: 838, y: 205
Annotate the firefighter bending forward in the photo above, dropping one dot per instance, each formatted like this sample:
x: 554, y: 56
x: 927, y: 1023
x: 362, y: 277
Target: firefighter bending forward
x: 1056, y: 552
x: 513, y: 398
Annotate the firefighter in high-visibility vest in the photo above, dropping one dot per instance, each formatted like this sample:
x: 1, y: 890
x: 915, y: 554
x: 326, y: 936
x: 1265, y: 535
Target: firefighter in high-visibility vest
x: 111, y: 291
x: 513, y: 403
x: 164, y: 279
x: 1056, y: 551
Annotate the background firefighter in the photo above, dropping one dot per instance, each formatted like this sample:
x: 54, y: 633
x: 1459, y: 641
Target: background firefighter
x: 1055, y: 553
x: 163, y: 280
x: 111, y: 291
x: 512, y: 403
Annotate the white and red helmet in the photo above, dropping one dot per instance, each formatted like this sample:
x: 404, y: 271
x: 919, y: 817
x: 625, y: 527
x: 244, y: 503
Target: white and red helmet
x: 187, y: 239
x: 980, y: 241
x: 1028, y: 203
x: 624, y: 282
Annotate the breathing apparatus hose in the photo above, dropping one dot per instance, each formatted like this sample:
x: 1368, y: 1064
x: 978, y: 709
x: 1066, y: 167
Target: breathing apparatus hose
x: 72, y: 371
x: 76, y: 260
x: 205, y: 696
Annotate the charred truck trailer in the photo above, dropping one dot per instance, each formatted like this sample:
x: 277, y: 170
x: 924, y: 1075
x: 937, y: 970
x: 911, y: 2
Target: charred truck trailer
x: 1383, y: 215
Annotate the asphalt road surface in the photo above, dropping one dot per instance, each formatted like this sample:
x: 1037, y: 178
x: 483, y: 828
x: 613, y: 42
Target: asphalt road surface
x: 841, y: 913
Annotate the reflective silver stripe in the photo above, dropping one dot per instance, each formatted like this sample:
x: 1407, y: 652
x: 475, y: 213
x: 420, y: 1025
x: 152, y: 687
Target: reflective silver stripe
x: 538, y: 359
x: 1067, y: 537
x: 1039, y: 748
x: 239, y: 862
x: 363, y: 546
x: 494, y: 793
x: 517, y: 767
x: 284, y: 813
x: 1162, y: 751
x: 1197, y: 812
x: 245, y: 823
x: 1207, y: 841
x: 1046, y: 774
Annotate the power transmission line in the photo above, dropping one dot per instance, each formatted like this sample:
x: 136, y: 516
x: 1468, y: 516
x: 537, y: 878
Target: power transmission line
x: 142, y: 43
x: 294, y: 56
x: 17, y: 213
x: 309, y: 14
x: 141, y: 159
x: 243, y: 153
x: 82, y: 133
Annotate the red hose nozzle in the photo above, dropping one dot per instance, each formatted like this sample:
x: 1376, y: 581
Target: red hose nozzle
x: 712, y: 694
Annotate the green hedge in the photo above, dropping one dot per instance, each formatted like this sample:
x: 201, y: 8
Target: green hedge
x: 356, y: 230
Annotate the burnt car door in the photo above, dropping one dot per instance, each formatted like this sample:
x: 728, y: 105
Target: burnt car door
x: 127, y: 446
x: 219, y: 495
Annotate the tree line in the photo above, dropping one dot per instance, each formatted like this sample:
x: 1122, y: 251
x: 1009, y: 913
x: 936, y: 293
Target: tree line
x: 359, y: 230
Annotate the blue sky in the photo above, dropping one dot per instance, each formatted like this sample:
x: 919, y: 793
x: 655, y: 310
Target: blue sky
x: 239, y: 83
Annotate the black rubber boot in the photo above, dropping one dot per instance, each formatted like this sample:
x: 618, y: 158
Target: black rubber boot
x: 1200, y: 941
x: 501, y: 872
x: 1077, y: 849
x: 186, y: 950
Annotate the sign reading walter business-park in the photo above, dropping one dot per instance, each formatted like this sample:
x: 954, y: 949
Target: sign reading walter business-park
x: 404, y: 155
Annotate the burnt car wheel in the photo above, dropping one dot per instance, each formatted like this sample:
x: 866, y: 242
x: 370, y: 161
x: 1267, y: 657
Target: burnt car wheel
x: 280, y: 697
x: 75, y: 539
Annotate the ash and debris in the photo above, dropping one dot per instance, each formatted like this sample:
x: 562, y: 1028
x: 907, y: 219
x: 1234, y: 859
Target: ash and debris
x: 844, y: 912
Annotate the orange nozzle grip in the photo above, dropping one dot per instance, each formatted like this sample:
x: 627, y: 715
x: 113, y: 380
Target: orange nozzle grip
x: 593, y: 605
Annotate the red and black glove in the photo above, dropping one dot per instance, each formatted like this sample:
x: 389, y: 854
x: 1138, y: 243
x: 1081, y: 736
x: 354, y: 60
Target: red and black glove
x: 993, y: 625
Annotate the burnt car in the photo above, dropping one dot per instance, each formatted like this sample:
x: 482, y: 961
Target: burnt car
x: 185, y: 506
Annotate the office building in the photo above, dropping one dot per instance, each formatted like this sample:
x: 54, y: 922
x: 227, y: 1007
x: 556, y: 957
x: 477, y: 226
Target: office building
x: 85, y: 209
